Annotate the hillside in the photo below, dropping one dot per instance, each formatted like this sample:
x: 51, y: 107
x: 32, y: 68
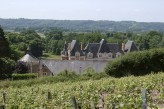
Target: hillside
x: 123, y: 93
x: 80, y: 25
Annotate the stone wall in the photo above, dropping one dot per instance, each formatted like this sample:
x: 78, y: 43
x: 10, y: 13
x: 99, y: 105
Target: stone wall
x: 56, y: 66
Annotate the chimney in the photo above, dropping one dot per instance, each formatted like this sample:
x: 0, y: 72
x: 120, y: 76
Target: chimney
x: 69, y: 49
x: 81, y: 46
x: 69, y: 46
x: 28, y: 51
x: 65, y: 46
x: 123, y: 47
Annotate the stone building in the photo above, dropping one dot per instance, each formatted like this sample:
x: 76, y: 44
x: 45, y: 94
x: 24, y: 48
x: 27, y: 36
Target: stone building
x: 30, y: 61
x: 96, y: 51
x: 72, y: 51
x: 78, y: 59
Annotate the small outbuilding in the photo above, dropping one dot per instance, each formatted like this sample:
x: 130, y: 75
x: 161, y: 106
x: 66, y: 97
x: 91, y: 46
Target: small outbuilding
x: 30, y: 61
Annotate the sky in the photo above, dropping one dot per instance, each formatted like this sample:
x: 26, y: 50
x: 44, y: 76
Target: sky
x: 115, y: 10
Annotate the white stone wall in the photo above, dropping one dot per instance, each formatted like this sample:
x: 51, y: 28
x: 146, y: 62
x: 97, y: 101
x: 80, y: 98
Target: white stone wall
x: 56, y: 66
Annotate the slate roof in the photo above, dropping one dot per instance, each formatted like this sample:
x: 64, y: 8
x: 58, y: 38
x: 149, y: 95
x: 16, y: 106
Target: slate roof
x: 103, y: 47
x: 28, y: 58
x: 130, y: 46
x: 113, y: 47
x: 93, y: 48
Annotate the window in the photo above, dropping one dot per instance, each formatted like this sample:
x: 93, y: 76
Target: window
x: 44, y: 73
x: 90, y: 55
x: 77, y: 55
x: 118, y: 54
x: 110, y: 55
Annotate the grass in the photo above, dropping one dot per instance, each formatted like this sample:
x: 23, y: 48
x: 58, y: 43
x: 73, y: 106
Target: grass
x: 51, y: 56
x: 41, y: 35
x: 61, y: 77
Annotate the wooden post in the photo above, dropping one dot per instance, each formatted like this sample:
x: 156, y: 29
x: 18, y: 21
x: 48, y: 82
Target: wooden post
x: 49, y: 95
x: 103, y: 101
x: 144, y: 98
x: 2, y: 107
x: 74, y: 102
x: 4, y: 101
x: 4, y: 98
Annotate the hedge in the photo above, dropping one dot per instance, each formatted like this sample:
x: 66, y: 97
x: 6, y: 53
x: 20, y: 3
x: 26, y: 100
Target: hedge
x: 24, y: 76
x: 137, y: 63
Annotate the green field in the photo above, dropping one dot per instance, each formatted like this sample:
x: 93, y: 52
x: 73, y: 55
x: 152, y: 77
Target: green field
x: 41, y: 35
x: 51, y: 56
x: 122, y: 93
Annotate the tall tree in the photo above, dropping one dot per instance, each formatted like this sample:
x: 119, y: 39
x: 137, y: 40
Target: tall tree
x: 4, y: 45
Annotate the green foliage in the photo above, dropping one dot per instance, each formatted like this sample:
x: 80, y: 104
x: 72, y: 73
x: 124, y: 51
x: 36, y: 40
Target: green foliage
x: 4, y: 45
x: 80, y: 25
x: 24, y: 76
x: 15, y: 54
x: 123, y: 93
x: 6, y: 68
x: 152, y: 39
x: 89, y: 72
x: 67, y: 73
x: 36, y: 47
x: 28, y: 37
x: 137, y: 63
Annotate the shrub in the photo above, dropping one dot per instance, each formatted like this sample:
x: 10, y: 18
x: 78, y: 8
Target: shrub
x: 89, y: 72
x: 137, y: 63
x: 6, y: 68
x: 24, y: 76
x: 67, y: 73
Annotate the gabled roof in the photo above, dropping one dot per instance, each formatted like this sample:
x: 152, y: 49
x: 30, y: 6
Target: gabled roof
x: 103, y: 47
x: 130, y: 46
x: 113, y: 47
x: 75, y: 48
x: 28, y: 58
x: 93, y: 48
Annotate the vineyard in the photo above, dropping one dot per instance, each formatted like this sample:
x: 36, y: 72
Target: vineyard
x: 108, y: 93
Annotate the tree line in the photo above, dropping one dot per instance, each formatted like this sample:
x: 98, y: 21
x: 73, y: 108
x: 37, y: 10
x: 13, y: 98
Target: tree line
x: 54, y: 40
x: 80, y: 25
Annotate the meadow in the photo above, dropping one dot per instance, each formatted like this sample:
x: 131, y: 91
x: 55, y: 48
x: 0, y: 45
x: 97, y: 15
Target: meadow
x: 107, y: 92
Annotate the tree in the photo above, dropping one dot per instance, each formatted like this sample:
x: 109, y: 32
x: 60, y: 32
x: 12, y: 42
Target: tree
x: 36, y: 47
x: 4, y: 45
x: 6, y: 67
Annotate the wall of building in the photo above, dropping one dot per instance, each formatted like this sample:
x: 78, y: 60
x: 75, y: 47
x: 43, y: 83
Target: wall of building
x: 56, y: 66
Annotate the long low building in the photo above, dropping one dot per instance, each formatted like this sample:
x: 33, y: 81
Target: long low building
x: 53, y: 67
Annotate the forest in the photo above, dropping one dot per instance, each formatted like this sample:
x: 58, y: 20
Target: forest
x: 80, y: 25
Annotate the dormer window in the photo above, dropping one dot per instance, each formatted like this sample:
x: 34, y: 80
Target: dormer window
x: 110, y: 55
x: 77, y: 55
x: 90, y: 55
x: 118, y: 54
x: 99, y: 55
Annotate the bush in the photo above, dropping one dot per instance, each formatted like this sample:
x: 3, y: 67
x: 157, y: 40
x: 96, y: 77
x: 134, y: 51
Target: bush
x: 67, y: 73
x: 6, y: 68
x: 137, y: 63
x: 24, y: 76
x: 89, y: 72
